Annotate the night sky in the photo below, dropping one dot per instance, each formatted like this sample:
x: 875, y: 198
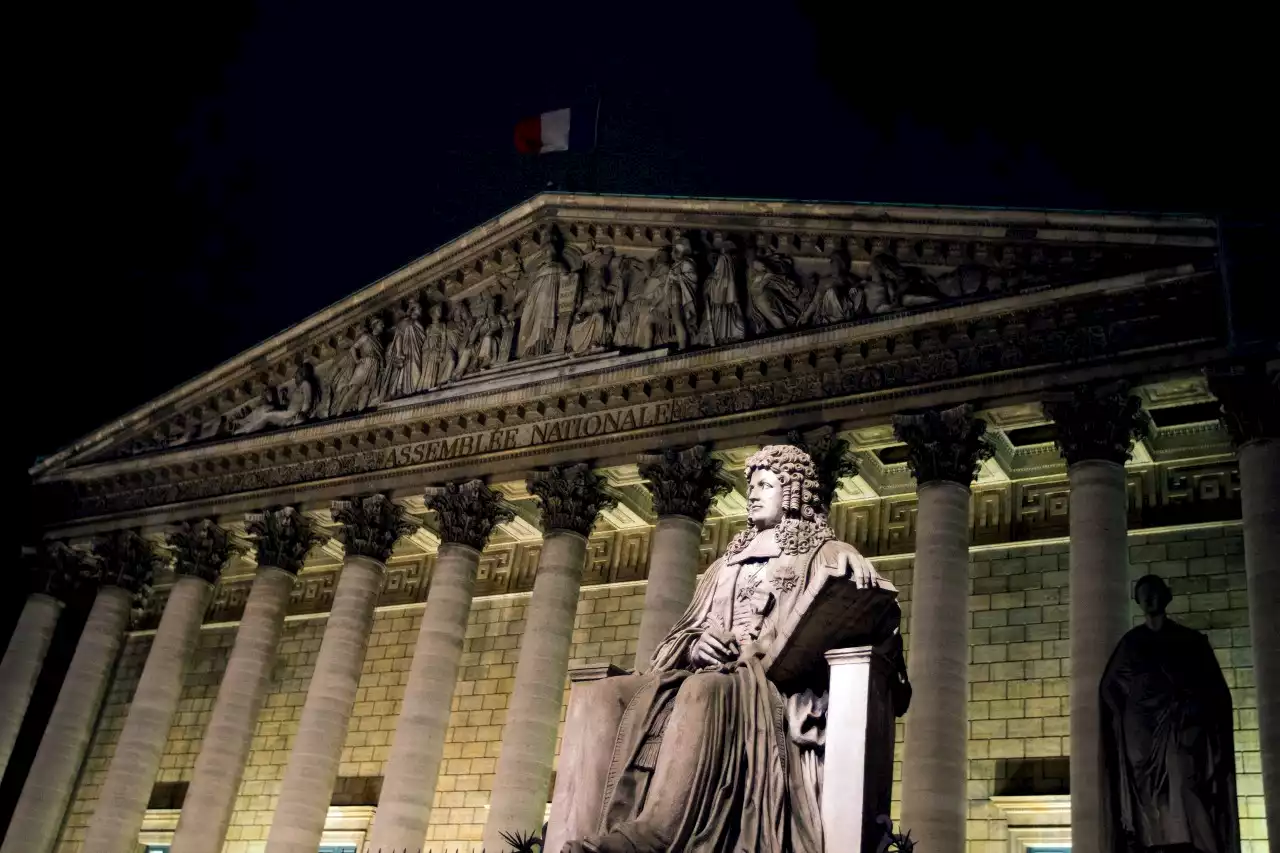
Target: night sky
x: 193, y: 178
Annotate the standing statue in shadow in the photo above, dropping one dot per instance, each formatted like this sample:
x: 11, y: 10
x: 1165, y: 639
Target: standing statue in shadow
x: 1167, y: 738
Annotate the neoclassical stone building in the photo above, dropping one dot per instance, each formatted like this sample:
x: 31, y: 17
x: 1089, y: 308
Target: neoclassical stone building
x: 343, y: 579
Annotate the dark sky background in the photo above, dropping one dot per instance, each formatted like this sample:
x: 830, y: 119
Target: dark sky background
x: 193, y: 178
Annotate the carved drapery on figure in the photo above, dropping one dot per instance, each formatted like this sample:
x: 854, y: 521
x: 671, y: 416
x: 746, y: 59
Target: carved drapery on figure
x: 201, y: 549
x: 571, y: 496
x: 684, y: 482
x: 944, y: 444
x: 1250, y: 400
x: 722, y: 320
x: 283, y: 537
x: 402, y: 372
x: 58, y: 569
x: 370, y: 526
x: 126, y: 560
x: 468, y: 512
x: 356, y: 380
x: 1100, y: 421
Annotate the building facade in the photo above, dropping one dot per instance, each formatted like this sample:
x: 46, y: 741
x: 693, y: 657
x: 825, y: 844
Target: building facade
x: 1023, y: 411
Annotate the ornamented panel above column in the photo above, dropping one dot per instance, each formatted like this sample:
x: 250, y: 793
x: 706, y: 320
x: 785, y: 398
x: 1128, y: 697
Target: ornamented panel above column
x: 943, y: 444
x: 571, y: 496
x: 126, y: 560
x: 283, y: 537
x: 1250, y: 398
x: 59, y: 569
x: 1099, y: 421
x: 371, y: 525
x: 684, y: 482
x: 468, y: 512
x: 201, y: 550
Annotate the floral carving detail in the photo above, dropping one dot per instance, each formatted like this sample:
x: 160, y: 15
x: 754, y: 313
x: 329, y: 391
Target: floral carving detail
x: 126, y: 560
x: 571, y: 496
x: 201, y: 550
x: 943, y: 444
x: 283, y: 537
x: 59, y: 570
x: 468, y: 512
x: 371, y: 525
x: 684, y: 482
x: 1098, y: 422
x: 1250, y: 401
x: 830, y: 455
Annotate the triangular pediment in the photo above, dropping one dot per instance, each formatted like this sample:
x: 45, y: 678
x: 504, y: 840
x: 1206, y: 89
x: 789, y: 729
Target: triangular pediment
x: 565, y: 285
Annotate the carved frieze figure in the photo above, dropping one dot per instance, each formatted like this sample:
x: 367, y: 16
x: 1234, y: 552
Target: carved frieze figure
x: 402, y: 373
x: 597, y: 312
x: 1167, y: 737
x: 774, y: 294
x: 437, y: 355
x: 722, y: 321
x: 680, y: 304
x: 645, y: 289
x: 355, y: 382
x: 538, y: 319
x: 484, y: 340
x: 891, y: 286
x: 836, y: 296
x: 297, y: 406
x: 711, y: 754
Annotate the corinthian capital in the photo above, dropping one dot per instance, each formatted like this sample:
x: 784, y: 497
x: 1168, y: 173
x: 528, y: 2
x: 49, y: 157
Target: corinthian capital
x: 283, y: 537
x: 943, y: 444
x: 571, y: 496
x: 830, y: 455
x: 59, y: 569
x: 1250, y: 399
x: 371, y: 525
x: 201, y: 549
x: 126, y: 560
x: 683, y: 482
x: 468, y: 512
x: 1100, y: 421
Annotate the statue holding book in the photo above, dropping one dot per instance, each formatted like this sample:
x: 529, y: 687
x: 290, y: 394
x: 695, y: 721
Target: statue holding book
x: 720, y: 742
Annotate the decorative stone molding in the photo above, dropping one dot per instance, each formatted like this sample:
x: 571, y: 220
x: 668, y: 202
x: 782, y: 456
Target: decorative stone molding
x: 683, y: 482
x: 830, y: 455
x: 126, y: 560
x: 944, y: 444
x: 59, y: 570
x: 1099, y: 421
x: 371, y: 525
x: 201, y: 550
x: 1250, y: 398
x: 468, y: 512
x: 283, y: 537
x: 571, y: 496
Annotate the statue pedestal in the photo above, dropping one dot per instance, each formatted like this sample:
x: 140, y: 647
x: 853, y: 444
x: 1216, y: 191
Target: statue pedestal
x: 857, y: 777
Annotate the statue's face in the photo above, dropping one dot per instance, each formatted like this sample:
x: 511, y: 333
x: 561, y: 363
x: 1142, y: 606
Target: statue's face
x: 764, y: 499
x: 1152, y: 598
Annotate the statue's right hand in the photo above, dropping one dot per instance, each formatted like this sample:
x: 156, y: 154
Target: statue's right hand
x: 713, y: 647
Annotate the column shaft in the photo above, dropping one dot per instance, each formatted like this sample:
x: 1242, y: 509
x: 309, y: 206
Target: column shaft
x: 1260, y: 496
x: 225, y: 748
x: 519, y: 797
x: 404, y: 808
x: 1099, y: 583
x: 38, y: 817
x: 21, y: 666
x: 673, y: 574
x: 934, y: 769
x: 313, y: 760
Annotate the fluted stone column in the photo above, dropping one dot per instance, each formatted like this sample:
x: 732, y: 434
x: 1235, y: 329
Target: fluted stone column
x: 283, y: 538
x: 124, y: 564
x: 683, y: 484
x: 370, y: 527
x: 944, y: 449
x: 1251, y: 408
x: 57, y: 572
x: 1097, y: 426
x: 467, y: 513
x: 570, y: 497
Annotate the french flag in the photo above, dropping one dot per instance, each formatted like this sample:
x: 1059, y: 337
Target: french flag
x: 569, y: 129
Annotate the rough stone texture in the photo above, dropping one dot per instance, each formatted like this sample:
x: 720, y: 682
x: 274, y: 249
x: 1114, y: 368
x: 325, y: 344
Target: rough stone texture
x: 1099, y: 582
x: 242, y: 690
x: 934, y: 774
x: 118, y: 817
x: 21, y: 666
x: 316, y: 750
x: 39, y: 814
x: 673, y: 573
x: 404, y: 809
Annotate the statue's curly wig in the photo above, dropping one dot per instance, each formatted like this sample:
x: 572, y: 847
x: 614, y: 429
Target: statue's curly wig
x: 804, y: 515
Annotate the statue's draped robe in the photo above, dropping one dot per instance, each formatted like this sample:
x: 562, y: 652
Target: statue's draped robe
x: 720, y: 760
x: 538, y: 319
x: 403, y: 366
x: 722, y: 322
x: 1167, y: 743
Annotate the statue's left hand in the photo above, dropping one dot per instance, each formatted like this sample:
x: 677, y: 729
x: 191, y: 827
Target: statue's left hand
x: 859, y: 569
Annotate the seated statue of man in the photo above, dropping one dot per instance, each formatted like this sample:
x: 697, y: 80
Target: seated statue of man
x: 712, y: 755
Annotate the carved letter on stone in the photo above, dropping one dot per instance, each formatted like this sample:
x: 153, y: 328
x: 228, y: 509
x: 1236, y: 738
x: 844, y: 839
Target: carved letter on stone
x: 684, y: 482
x: 468, y: 512
x: 571, y: 497
x: 283, y: 537
x: 1098, y: 422
x: 371, y: 525
x: 201, y: 550
x: 946, y: 444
